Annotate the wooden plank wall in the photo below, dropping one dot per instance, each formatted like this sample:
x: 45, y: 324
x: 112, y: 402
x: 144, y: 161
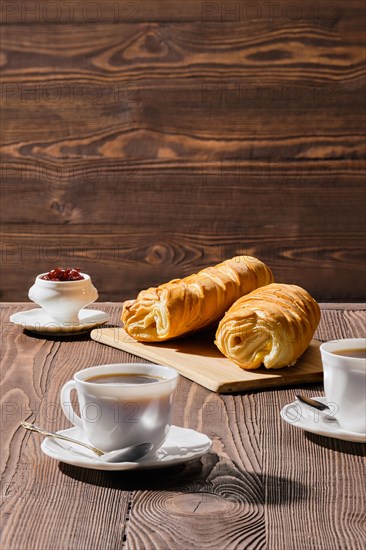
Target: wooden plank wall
x: 144, y: 140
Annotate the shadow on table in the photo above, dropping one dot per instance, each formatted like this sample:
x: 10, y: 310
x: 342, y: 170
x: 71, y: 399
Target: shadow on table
x: 208, y: 477
x: 344, y: 447
x: 66, y: 337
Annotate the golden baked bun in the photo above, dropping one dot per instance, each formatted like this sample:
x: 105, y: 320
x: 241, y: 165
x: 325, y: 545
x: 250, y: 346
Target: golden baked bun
x: 272, y: 325
x: 189, y: 304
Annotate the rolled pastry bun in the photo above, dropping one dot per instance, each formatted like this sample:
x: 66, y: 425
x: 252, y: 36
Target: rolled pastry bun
x: 272, y: 325
x: 185, y: 305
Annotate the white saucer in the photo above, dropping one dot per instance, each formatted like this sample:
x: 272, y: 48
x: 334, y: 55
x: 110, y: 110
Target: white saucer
x: 310, y: 420
x: 39, y: 321
x: 181, y: 445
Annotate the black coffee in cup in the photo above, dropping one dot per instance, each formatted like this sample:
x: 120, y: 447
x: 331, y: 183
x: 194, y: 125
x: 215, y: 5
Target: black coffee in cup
x: 357, y: 353
x: 123, y: 378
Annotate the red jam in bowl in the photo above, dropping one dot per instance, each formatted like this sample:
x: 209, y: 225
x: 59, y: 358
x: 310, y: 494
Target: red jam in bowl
x: 63, y: 274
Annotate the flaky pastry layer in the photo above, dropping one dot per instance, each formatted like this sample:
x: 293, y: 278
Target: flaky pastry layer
x: 272, y: 325
x: 186, y: 305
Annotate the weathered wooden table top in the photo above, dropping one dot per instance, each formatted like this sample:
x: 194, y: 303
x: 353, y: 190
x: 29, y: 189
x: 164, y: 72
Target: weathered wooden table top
x: 265, y: 484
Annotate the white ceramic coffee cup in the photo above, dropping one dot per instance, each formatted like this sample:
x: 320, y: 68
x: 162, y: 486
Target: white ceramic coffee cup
x: 345, y: 383
x: 115, y: 416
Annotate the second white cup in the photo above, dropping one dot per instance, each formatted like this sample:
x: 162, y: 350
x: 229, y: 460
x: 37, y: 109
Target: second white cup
x: 345, y: 381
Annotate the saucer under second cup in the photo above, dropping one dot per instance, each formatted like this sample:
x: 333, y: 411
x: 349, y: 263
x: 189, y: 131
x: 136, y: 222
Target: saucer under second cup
x: 300, y: 416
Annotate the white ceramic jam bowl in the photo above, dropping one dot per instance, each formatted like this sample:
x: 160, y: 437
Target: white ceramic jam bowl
x: 63, y: 299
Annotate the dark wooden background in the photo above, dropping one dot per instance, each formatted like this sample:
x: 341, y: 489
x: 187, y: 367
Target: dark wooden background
x: 144, y: 140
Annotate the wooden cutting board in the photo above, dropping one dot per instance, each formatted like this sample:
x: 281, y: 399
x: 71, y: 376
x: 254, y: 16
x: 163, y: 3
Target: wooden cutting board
x: 197, y: 358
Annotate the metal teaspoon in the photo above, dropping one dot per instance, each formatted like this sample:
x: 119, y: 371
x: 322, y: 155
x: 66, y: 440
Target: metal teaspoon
x: 312, y: 403
x: 128, y: 454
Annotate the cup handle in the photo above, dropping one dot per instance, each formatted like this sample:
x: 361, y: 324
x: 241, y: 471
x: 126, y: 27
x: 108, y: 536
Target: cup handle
x: 66, y: 404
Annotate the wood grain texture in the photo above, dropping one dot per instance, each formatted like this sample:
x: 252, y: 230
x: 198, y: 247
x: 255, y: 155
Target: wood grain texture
x: 123, y: 261
x: 323, y: 14
x: 264, y: 485
x: 189, y: 131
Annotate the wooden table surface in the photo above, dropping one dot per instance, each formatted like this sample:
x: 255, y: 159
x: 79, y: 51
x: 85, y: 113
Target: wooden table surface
x: 265, y: 484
